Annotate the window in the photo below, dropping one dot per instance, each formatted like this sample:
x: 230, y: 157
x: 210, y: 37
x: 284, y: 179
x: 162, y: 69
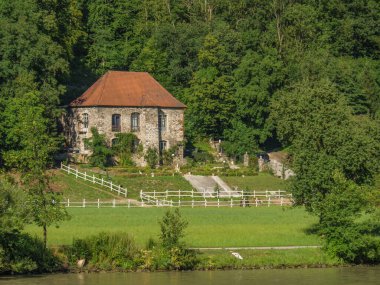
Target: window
x: 85, y: 120
x: 135, y: 122
x: 162, y: 146
x: 116, y: 123
x: 162, y: 121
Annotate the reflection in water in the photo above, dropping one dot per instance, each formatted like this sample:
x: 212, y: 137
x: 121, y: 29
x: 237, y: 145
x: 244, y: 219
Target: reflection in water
x: 329, y: 276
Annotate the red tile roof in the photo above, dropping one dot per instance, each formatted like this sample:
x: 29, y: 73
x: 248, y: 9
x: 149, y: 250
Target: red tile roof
x: 127, y: 89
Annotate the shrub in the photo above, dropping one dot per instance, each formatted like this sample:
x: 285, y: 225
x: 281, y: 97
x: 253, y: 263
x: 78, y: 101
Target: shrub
x: 105, y: 251
x: 151, y: 157
x: 21, y: 253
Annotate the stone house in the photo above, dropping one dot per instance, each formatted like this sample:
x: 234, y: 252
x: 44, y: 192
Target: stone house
x: 128, y: 102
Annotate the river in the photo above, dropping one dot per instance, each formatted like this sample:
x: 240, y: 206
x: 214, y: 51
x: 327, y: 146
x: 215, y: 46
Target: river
x: 325, y: 276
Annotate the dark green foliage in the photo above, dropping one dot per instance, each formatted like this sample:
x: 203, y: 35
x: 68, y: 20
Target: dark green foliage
x: 172, y: 229
x: 100, y: 152
x: 151, y: 157
x: 21, y: 253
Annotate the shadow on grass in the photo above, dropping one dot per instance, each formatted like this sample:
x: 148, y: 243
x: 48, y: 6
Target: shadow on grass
x: 314, y: 229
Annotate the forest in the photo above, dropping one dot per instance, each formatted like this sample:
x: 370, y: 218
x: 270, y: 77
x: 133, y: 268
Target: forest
x: 258, y: 74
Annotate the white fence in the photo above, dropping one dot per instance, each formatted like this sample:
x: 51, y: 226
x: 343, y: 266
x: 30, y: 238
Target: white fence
x: 95, y: 180
x: 198, y: 199
x: 100, y: 204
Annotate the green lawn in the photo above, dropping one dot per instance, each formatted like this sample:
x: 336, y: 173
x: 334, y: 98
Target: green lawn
x: 148, y: 183
x: 260, y: 182
x: 210, y: 227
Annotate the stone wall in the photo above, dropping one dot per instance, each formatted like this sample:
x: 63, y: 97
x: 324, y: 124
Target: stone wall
x: 149, y: 133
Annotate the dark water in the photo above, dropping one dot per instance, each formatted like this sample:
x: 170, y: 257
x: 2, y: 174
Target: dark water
x: 329, y: 276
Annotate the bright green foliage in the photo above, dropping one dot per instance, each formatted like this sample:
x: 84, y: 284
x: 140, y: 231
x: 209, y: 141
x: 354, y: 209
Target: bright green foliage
x: 151, y: 157
x: 100, y: 152
x: 126, y: 145
x: 172, y: 229
x: 30, y: 133
x: 347, y: 235
x: 12, y: 210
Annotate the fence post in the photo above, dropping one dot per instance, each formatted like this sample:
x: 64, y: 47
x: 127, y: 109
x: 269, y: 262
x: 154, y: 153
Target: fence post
x: 205, y: 203
x: 102, y: 181
x: 218, y: 202
x: 281, y: 201
x: 125, y: 192
x: 279, y: 193
x: 231, y: 202
x: 84, y: 203
x: 111, y: 186
x: 254, y: 193
x: 119, y: 190
x: 192, y: 203
x: 98, y: 203
x: 179, y: 203
x: 113, y: 203
x: 256, y: 201
x: 269, y: 201
x: 192, y: 193
x: 179, y: 194
x: 242, y: 194
x: 68, y: 202
x: 154, y: 194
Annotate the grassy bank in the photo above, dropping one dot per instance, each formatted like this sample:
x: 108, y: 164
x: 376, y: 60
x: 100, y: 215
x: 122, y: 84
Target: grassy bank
x: 305, y: 257
x: 208, y: 227
x: 261, y: 182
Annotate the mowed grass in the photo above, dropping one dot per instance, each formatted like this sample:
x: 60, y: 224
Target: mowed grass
x: 208, y: 227
x: 148, y: 183
x: 260, y: 182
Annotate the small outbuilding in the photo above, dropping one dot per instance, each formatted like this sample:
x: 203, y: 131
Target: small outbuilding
x: 128, y: 102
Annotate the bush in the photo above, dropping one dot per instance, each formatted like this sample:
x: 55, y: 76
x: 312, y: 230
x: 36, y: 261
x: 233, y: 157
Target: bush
x: 151, y: 157
x: 21, y: 253
x: 105, y: 251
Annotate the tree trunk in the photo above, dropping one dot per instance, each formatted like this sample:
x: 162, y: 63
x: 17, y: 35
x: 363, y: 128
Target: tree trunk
x: 45, y: 235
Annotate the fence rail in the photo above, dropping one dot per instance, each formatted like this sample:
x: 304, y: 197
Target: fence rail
x: 100, y: 203
x: 95, y: 180
x: 199, y: 199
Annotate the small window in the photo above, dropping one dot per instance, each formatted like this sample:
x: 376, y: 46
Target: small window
x: 85, y: 120
x: 135, y: 122
x: 162, y: 146
x: 116, y: 127
x: 162, y: 121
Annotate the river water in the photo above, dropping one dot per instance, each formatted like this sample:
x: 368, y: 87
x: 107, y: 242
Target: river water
x: 325, y: 276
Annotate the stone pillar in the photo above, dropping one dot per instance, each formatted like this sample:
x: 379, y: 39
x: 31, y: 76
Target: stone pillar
x: 246, y: 159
